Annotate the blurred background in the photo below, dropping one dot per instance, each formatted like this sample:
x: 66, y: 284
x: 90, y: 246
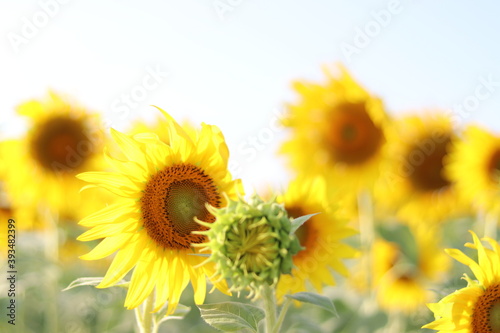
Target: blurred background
x: 230, y: 63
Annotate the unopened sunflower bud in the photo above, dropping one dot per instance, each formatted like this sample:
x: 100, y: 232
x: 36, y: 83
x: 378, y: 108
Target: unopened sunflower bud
x: 251, y: 243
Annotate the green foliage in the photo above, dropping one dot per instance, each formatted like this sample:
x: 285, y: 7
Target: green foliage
x: 232, y: 316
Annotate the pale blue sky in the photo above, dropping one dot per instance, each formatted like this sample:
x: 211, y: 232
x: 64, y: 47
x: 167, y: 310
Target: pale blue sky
x: 235, y: 71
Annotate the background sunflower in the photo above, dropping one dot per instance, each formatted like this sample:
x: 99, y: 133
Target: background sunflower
x: 338, y: 131
x: 63, y: 140
x: 322, y: 236
x: 474, y: 165
x: 413, y: 183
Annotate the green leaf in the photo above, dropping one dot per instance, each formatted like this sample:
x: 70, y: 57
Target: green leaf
x: 232, y: 316
x: 312, y: 298
x: 93, y: 281
x: 296, y: 223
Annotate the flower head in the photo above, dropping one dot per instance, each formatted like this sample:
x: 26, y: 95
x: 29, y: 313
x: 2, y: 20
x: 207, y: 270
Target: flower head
x: 252, y: 243
x: 321, y: 236
x: 414, y: 183
x: 474, y: 164
x: 476, y: 307
x: 338, y: 130
x: 63, y: 140
x: 162, y: 188
x: 405, y: 267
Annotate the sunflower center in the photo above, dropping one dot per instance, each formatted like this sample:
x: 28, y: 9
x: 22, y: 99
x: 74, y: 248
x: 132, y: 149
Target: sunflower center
x: 486, y: 313
x: 352, y: 137
x: 494, y: 165
x: 60, y: 144
x: 303, y: 232
x: 426, y: 162
x: 172, y: 199
x: 252, y: 246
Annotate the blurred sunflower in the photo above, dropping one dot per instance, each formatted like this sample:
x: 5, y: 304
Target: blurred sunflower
x: 338, y: 130
x: 321, y: 236
x: 475, y: 308
x: 63, y: 140
x: 404, y: 268
x: 474, y: 164
x: 413, y: 182
x: 162, y: 188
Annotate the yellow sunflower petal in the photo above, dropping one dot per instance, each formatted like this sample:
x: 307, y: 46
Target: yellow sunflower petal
x: 124, y: 261
x: 144, y: 277
x: 108, y: 214
x: 113, y: 182
x: 129, y: 147
x: 107, y: 246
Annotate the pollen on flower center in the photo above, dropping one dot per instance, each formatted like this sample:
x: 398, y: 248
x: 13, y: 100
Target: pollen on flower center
x: 353, y: 137
x: 61, y: 144
x: 427, y: 165
x: 486, y: 313
x: 172, y: 199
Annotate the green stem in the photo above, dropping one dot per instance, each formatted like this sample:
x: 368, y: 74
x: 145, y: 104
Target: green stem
x: 51, y: 251
x: 367, y: 236
x: 145, y: 321
x: 269, y: 307
x: 282, y: 315
x: 490, y: 225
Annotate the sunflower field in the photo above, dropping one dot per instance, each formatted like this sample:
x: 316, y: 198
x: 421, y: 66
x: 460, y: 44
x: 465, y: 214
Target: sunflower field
x: 145, y: 186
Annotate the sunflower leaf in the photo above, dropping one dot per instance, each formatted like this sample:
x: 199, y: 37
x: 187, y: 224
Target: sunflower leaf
x: 318, y: 300
x: 93, y: 281
x: 232, y: 316
x: 296, y: 223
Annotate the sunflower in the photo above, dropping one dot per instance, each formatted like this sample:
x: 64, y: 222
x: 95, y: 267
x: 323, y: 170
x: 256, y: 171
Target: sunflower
x: 404, y: 268
x: 321, y: 236
x: 474, y: 164
x: 158, y: 127
x: 63, y: 140
x: 162, y: 188
x: 474, y: 308
x: 338, y: 130
x: 413, y: 182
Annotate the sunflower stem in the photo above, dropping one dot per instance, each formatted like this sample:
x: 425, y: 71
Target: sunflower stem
x: 51, y: 252
x: 282, y: 315
x: 145, y: 320
x: 269, y: 307
x: 490, y: 225
x: 367, y: 235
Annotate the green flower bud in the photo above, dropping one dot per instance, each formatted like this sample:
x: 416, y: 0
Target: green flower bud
x: 251, y: 243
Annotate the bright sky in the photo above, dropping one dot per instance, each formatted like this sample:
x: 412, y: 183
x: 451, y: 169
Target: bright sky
x: 231, y: 62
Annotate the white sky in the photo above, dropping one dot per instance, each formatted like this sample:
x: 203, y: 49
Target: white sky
x: 236, y: 71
